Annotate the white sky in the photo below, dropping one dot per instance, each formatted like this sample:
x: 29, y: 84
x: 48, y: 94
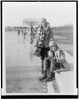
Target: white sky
x: 57, y: 13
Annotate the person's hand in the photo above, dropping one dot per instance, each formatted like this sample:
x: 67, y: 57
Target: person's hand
x: 58, y: 71
x: 60, y: 60
x: 35, y: 46
x: 50, y: 54
x: 43, y: 31
x: 35, y: 49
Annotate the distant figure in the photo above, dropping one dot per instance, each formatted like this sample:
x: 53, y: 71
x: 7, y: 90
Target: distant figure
x: 19, y: 36
x: 24, y: 33
x: 18, y: 32
x: 32, y: 35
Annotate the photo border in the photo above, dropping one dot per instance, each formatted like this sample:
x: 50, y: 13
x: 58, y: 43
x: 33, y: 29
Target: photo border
x: 39, y: 96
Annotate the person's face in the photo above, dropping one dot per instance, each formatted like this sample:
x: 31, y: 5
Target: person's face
x: 53, y: 48
x: 44, y: 23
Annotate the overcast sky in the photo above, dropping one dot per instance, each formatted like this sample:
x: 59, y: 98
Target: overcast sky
x: 57, y: 13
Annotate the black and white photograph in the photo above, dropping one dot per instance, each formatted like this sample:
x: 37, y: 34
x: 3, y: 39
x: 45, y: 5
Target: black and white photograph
x: 39, y: 48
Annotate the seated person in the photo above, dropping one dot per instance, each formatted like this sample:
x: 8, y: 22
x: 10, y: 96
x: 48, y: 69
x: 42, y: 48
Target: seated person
x: 56, y: 58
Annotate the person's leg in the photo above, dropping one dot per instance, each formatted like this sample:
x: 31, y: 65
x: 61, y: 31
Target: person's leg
x: 51, y: 74
x: 46, y: 52
x: 42, y: 63
x: 53, y: 66
x: 32, y: 38
x: 45, y: 69
x: 45, y: 62
x: 42, y: 54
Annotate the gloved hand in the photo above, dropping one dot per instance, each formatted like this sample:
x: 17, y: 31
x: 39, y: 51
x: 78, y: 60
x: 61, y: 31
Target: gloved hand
x: 37, y: 51
x: 35, y: 46
x: 40, y: 44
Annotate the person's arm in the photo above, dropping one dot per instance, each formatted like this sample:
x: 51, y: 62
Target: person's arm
x: 61, y: 59
x: 51, y: 35
x: 47, y: 27
x: 35, y: 42
x: 51, y: 56
x: 60, y: 56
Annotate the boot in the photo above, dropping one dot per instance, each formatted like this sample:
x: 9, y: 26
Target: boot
x: 44, y: 76
x: 50, y: 77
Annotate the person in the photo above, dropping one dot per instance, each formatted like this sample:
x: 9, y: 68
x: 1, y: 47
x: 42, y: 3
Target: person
x: 45, y: 26
x: 24, y: 32
x: 19, y: 32
x: 55, y: 62
x: 48, y: 35
x: 32, y: 35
